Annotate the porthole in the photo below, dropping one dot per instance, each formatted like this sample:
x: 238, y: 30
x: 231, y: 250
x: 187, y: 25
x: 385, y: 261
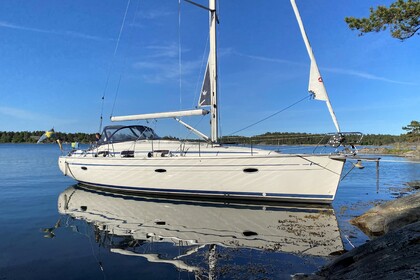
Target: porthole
x: 250, y: 170
x: 160, y: 170
x: 249, y: 233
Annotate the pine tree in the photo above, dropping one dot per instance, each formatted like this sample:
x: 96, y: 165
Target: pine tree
x: 402, y: 18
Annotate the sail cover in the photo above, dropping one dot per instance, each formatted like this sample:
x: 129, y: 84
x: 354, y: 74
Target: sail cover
x: 205, y: 89
x: 316, y: 84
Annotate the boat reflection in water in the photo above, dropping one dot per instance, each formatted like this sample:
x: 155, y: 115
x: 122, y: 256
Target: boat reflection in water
x: 129, y: 225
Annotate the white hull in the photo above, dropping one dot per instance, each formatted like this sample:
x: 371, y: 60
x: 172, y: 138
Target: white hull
x: 235, y: 173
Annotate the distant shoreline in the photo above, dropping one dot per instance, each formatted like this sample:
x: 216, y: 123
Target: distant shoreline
x: 408, y: 152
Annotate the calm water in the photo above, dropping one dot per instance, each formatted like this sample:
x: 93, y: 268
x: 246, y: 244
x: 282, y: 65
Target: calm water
x: 53, y: 230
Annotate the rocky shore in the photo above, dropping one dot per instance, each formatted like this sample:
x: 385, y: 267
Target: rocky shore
x: 395, y: 254
x: 404, y: 152
x: 389, y: 216
x: 392, y: 256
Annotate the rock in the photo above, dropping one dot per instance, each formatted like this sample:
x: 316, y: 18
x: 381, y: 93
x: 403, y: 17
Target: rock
x: 415, y: 154
x: 395, y: 255
x: 403, y: 150
x: 415, y: 185
x: 389, y: 216
x: 376, y: 151
x: 392, y: 256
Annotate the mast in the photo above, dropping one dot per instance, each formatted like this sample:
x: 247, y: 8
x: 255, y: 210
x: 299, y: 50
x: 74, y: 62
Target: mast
x: 213, y: 72
x: 316, y: 84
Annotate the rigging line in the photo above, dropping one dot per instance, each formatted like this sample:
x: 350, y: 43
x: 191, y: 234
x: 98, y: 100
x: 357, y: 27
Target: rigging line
x: 400, y: 161
x: 317, y: 164
x: 116, y: 94
x: 136, y: 12
x: 93, y: 250
x: 270, y: 116
x: 201, y: 75
x: 345, y: 175
x: 179, y: 54
x: 124, y: 64
x: 179, y: 59
x: 112, y: 64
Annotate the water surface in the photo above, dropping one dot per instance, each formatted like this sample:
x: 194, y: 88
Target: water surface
x: 54, y: 230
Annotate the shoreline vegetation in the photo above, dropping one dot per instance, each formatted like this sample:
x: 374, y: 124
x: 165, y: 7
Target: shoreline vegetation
x: 268, y: 138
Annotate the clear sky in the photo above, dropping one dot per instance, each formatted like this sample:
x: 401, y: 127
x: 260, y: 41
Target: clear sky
x: 56, y: 56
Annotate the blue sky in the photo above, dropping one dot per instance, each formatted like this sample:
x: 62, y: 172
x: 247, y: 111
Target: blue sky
x: 56, y: 56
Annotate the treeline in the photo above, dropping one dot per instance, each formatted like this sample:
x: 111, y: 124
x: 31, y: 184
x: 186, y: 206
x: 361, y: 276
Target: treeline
x: 33, y: 136
x: 290, y: 138
x: 382, y: 139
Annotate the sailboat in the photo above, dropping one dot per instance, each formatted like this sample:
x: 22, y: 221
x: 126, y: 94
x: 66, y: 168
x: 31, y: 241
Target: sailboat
x: 133, y: 159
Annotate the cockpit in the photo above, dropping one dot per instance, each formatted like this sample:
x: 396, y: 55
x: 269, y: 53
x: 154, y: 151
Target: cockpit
x: 119, y: 133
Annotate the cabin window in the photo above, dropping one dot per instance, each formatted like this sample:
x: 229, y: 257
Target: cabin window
x: 127, y: 153
x: 115, y: 134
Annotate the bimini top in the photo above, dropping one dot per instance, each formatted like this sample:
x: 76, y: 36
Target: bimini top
x: 121, y: 133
